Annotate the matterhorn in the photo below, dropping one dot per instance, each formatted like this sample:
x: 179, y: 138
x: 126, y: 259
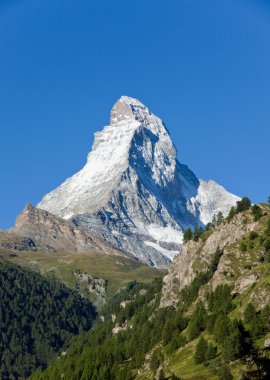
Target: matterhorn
x: 133, y: 192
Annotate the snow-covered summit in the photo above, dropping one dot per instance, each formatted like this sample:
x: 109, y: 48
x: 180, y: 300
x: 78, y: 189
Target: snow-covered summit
x: 126, y: 108
x: 112, y: 153
x: 133, y: 192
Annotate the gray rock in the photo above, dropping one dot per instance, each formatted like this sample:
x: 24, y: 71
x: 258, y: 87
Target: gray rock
x: 134, y: 192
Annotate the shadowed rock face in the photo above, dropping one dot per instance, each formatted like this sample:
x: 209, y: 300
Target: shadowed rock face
x: 52, y: 233
x: 133, y: 191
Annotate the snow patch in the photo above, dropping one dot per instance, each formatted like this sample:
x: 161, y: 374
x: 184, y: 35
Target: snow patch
x: 165, y: 252
x: 164, y: 234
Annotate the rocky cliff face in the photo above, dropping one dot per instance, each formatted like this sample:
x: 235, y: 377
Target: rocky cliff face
x: 133, y: 191
x: 56, y: 234
x: 17, y: 243
x: 240, y: 269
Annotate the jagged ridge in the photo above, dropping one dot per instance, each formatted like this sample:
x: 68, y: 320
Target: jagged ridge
x: 134, y: 192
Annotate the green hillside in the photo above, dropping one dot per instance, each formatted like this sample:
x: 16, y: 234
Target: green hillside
x: 96, y: 276
x: 218, y: 329
x: 38, y: 317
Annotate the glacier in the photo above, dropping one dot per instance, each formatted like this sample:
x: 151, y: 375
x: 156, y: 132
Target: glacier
x: 133, y: 192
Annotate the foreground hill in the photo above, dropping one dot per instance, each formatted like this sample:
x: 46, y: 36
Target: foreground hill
x: 38, y: 317
x: 209, y: 320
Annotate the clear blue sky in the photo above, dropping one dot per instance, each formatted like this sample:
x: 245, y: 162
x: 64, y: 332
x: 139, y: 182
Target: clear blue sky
x: 202, y: 66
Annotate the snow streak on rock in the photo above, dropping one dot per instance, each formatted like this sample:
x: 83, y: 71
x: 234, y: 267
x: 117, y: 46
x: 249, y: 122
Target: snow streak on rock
x: 133, y: 192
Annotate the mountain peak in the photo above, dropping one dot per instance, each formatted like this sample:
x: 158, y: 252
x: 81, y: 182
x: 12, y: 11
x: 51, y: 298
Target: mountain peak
x: 129, y: 101
x: 133, y: 191
x: 127, y: 108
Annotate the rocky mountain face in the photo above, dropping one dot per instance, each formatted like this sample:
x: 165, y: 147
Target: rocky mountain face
x: 48, y: 232
x: 241, y: 264
x: 13, y: 242
x: 133, y: 192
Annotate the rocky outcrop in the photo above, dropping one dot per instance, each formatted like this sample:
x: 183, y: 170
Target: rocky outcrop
x: 196, y: 257
x: 94, y: 286
x: 57, y: 234
x: 133, y: 191
x: 13, y: 242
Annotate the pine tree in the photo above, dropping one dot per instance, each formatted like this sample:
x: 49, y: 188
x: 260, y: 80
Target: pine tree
x: 197, y: 233
x: 256, y: 212
x: 198, y: 321
x: 232, y: 213
x: 220, y: 217
x: 233, y: 344
x: 211, y: 352
x: 180, y: 322
x: 249, y: 313
x: 243, y: 205
x: 221, y: 328
x: 256, y: 326
x: 215, y: 260
x: 201, y: 351
x: 188, y: 235
x: 168, y: 331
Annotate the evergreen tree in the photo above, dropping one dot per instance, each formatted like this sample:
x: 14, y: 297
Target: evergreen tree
x: 198, y: 321
x: 215, y: 260
x: 243, y: 205
x: 198, y: 231
x: 180, y: 322
x: 221, y: 328
x: 256, y: 326
x: 232, y: 213
x: 211, y: 323
x: 221, y: 300
x: 219, y: 218
x: 256, y: 212
x: 249, y: 313
x: 188, y: 235
x: 211, y: 352
x: 201, y: 351
x: 168, y: 331
x: 233, y: 344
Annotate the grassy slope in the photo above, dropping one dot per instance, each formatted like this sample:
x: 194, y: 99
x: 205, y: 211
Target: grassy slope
x: 117, y: 270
